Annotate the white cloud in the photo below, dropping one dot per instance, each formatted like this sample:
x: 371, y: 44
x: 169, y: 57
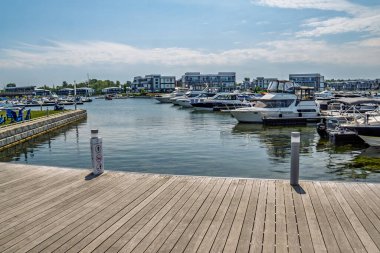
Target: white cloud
x: 357, y: 18
x: 108, y: 54
x: 336, y: 5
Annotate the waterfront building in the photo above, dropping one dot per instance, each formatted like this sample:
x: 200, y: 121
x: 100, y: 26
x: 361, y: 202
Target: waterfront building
x: 112, y: 90
x: 18, y: 91
x: 154, y: 83
x: 263, y: 83
x: 85, y: 91
x: 223, y: 81
x: 65, y: 92
x: 311, y: 80
x: 354, y: 85
x: 42, y: 92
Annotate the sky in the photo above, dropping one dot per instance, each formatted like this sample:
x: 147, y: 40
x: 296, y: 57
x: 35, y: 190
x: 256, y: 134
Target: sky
x: 46, y: 42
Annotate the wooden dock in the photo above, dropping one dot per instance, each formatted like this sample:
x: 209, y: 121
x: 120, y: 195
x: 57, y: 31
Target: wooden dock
x: 46, y: 209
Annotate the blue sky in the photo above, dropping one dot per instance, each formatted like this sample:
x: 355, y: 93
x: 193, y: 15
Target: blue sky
x: 47, y: 42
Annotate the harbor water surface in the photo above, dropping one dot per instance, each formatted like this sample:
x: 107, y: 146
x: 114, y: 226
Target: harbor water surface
x: 141, y: 135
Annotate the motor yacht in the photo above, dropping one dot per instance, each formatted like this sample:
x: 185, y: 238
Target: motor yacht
x: 220, y: 102
x: 284, y: 100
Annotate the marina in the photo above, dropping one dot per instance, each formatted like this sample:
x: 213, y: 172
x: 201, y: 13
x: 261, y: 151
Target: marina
x: 133, y: 212
x: 142, y: 135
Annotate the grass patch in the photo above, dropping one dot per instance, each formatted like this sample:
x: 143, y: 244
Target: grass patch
x: 367, y: 163
x: 34, y: 114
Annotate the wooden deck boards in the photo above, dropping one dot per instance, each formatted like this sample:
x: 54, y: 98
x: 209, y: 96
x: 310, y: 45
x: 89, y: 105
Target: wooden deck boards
x: 47, y: 209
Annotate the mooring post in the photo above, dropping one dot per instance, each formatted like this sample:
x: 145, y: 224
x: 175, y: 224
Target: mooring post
x: 96, y: 152
x: 295, y: 158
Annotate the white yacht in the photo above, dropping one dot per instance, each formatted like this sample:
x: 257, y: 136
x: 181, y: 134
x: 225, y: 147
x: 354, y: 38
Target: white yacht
x: 284, y: 101
x: 166, y: 97
x: 220, y: 102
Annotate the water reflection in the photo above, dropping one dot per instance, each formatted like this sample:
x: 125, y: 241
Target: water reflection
x: 276, y: 139
x: 25, y: 151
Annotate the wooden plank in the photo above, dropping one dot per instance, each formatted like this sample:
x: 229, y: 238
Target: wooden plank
x: 186, y: 228
x: 330, y: 243
x: 370, y: 194
x: 29, y: 193
x: 368, y: 198
x: 86, y: 232
x: 221, y: 237
x: 237, y: 225
x: 347, y: 227
x: 85, y: 246
x: 213, y: 229
x: 375, y: 188
x: 116, y: 193
x: 259, y: 225
x: 35, y: 218
x: 190, y: 198
x: 303, y: 226
x: 337, y: 229
x: 51, y: 197
x: 315, y: 232
x: 358, y: 227
x: 361, y: 215
x: 291, y: 222
x: 33, y: 237
x: 131, y: 234
x: 281, y: 233
x: 179, y: 227
x: 201, y: 202
x: 246, y: 231
x: 269, y: 239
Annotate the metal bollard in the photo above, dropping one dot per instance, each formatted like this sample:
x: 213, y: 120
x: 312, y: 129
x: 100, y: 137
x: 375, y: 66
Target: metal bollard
x: 295, y: 158
x: 96, y: 153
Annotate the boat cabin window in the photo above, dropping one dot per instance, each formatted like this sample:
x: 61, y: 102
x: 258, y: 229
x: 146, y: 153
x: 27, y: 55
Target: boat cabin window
x: 225, y: 97
x: 274, y: 103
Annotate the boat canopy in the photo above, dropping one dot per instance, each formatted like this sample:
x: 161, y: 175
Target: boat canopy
x: 356, y: 100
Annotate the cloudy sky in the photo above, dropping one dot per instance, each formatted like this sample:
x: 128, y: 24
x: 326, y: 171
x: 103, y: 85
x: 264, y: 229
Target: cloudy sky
x: 47, y: 42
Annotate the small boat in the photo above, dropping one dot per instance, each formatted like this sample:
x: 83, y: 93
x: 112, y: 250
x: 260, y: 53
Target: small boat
x: 108, y: 97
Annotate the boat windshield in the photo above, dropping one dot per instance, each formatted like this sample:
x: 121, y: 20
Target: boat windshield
x: 283, y: 103
x: 282, y: 87
x: 225, y: 97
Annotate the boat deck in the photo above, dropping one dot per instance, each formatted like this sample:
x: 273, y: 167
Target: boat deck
x: 46, y: 209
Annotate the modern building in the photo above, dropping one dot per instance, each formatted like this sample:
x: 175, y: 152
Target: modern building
x: 353, y: 85
x: 223, y: 81
x: 263, y: 83
x: 18, y: 91
x: 42, y: 92
x: 85, y: 91
x: 65, y: 92
x: 154, y: 83
x: 112, y: 90
x: 311, y: 80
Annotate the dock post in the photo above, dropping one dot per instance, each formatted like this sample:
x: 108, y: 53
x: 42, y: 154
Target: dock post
x: 295, y: 158
x: 96, y: 152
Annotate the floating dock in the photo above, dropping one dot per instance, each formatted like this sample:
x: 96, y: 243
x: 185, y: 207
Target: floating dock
x: 46, y: 209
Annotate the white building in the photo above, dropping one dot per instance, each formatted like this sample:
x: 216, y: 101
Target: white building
x: 312, y: 80
x: 223, y: 81
x: 154, y: 83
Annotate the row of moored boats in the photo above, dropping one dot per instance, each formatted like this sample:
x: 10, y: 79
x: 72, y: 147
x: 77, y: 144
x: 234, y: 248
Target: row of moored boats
x: 286, y: 103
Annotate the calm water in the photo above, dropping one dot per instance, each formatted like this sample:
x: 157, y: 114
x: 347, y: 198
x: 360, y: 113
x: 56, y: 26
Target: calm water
x: 143, y: 136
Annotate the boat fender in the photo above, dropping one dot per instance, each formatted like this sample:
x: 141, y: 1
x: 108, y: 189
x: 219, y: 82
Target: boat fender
x: 280, y: 115
x: 300, y: 115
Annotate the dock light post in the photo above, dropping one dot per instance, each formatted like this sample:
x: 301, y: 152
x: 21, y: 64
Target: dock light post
x: 295, y: 158
x: 96, y: 152
x: 75, y: 95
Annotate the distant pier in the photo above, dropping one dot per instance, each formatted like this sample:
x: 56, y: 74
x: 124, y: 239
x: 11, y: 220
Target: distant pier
x: 46, y: 209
